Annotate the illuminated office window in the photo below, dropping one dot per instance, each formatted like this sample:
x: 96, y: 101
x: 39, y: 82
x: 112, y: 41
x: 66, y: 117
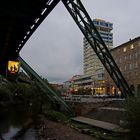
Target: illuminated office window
x: 124, y: 49
x: 131, y: 46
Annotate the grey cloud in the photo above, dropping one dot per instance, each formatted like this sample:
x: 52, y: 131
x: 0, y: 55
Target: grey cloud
x: 55, y: 49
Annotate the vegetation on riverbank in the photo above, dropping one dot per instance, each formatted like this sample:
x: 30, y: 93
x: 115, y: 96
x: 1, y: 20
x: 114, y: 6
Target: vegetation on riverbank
x: 27, y: 95
x: 132, y: 105
x: 31, y: 97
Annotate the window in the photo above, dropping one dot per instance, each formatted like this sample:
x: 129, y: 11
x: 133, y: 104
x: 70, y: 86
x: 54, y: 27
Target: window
x: 130, y: 56
x: 110, y: 25
x: 136, y: 74
x: 130, y: 66
x: 136, y: 65
x: 124, y: 49
x: 136, y: 54
x: 131, y: 46
x: 125, y: 57
x: 101, y: 75
x: 125, y: 67
x: 120, y: 60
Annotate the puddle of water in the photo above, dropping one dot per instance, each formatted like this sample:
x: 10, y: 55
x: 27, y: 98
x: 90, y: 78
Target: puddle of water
x: 29, y: 135
x: 11, y: 121
x: 11, y: 132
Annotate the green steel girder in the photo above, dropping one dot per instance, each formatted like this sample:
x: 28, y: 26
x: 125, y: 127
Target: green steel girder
x: 49, y: 5
x: 45, y: 87
x: 84, y: 22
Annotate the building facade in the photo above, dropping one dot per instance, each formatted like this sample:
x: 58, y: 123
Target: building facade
x: 92, y: 82
x: 104, y: 28
x: 127, y: 57
x: 91, y: 61
x: 87, y: 84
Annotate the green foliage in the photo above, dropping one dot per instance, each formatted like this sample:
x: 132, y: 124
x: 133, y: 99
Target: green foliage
x: 132, y: 105
x: 24, y: 94
x: 30, y: 96
x: 27, y: 95
x: 55, y: 116
x: 5, y: 93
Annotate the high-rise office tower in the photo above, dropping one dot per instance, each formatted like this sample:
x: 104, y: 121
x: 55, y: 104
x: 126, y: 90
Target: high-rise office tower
x: 91, y: 61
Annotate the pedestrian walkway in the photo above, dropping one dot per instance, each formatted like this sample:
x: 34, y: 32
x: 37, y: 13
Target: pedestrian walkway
x: 100, y: 124
x: 112, y: 108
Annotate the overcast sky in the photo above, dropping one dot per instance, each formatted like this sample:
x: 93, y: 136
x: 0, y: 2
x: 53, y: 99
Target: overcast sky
x: 55, y: 50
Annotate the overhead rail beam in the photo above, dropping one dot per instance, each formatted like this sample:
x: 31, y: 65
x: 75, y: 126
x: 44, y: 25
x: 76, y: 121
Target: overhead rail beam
x: 48, y: 7
x: 19, y: 20
x: 86, y: 25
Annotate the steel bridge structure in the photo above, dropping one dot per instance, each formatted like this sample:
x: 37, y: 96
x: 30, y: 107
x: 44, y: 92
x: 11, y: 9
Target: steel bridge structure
x: 19, y: 20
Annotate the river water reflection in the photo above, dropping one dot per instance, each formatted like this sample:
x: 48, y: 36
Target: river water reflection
x: 11, y: 121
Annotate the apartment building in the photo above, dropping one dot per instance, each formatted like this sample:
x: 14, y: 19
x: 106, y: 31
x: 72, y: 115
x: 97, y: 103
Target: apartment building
x: 93, y: 77
x: 127, y: 57
x: 91, y: 61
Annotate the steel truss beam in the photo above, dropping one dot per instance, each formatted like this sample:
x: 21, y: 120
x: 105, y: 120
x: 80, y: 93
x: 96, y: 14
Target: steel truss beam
x: 49, y: 5
x: 84, y: 22
x: 45, y: 87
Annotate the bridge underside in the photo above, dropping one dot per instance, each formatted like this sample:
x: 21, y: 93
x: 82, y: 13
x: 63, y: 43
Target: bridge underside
x: 19, y: 19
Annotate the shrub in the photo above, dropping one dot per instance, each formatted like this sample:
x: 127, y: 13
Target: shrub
x: 55, y: 116
x: 132, y: 105
x: 5, y: 94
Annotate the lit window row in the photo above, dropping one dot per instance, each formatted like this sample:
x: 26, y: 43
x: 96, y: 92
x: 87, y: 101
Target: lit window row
x: 127, y: 57
x: 130, y: 66
x: 131, y: 47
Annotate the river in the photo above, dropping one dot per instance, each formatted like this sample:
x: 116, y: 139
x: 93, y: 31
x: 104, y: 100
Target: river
x: 12, y: 120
